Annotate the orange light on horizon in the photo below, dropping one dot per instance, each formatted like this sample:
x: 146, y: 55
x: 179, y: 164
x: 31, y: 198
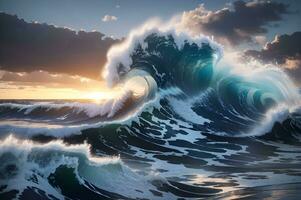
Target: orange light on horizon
x: 30, y: 92
x: 44, y: 85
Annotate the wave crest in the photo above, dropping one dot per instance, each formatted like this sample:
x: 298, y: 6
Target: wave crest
x: 171, y: 57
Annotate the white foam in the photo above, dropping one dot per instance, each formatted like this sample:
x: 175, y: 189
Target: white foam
x: 184, y: 109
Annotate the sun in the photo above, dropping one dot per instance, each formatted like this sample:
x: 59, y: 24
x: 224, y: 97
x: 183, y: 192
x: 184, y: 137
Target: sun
x: 101, y: 96
x: 98, y: 96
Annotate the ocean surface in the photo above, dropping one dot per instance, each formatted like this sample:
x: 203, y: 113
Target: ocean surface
x: 185, y: 126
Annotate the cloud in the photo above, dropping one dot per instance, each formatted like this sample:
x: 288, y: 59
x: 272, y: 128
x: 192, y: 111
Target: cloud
x: 46, y: 79
x: 283, y: 47
x: 108, y: 18
x: 28, y: 47
x: 237, y: 25
x: 260, y: 39
x: 284, y: 51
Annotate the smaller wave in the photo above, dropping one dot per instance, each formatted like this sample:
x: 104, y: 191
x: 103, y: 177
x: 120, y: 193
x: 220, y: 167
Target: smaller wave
x: 60, y: 119
x: 24, y: 163
x: 282, y: 122
x: 64, y: 119
x: 107, y: 108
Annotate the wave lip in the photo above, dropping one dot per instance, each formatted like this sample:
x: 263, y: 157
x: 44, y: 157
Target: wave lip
x: 168, y: 55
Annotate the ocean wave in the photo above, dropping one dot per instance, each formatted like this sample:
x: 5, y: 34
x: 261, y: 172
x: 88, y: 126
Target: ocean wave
x: 281, y: 123
x: 28, y: 165
x: 172, y: 58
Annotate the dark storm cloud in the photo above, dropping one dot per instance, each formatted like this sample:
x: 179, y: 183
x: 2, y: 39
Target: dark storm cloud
x: 281, y: 49
x: 236, y: 25
x: 284, y: 50
x: 27, y: 47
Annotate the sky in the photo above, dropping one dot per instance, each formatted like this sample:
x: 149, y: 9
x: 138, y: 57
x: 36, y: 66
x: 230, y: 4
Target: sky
x: 71, y: 53
x: 88, y: 15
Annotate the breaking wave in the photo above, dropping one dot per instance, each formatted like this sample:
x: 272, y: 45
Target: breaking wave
x: 173, y: 59
x: 39, y: 167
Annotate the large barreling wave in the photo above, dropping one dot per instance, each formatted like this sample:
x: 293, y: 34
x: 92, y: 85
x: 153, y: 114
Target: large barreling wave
x: 168, y: 60
x: 190, y: 121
